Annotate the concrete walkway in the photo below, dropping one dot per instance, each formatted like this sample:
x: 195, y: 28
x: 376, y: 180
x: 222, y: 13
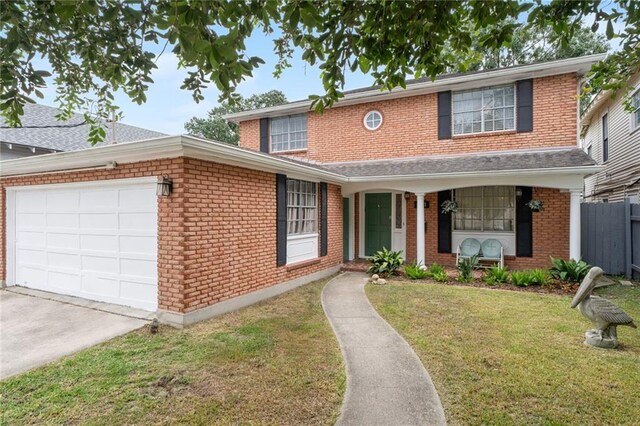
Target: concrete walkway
x: 386, y: 381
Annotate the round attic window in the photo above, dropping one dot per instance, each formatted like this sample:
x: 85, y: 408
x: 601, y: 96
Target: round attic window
x: 372, y: 120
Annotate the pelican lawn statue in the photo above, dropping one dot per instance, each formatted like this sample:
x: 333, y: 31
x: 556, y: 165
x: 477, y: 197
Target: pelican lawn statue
x: 604, y: 315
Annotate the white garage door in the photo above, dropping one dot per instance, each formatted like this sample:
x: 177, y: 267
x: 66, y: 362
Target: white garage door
x: 97, y: 241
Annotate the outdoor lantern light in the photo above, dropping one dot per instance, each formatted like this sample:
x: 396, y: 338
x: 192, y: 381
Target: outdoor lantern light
x: 407, y: 195
x: 165, y: 186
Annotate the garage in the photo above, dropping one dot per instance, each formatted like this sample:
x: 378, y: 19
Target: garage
x: 95, y: 240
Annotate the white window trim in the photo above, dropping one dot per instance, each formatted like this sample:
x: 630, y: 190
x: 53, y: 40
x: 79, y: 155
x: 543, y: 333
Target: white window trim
x: 289, y: 150
x: 482, y: 231
x: 632, y: 122
x: 488, y: 132
x: 606, y: 112
x: 364, y: 120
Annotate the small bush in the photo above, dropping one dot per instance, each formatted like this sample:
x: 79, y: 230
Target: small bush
x: 385, y: 262
x: 521, y: 278
x: 496, y: 275
x: 440, y: 276
x: 435, y: 268
x: 569, y: 270
x: 415, y: 271
x: 540, y: 277
x: 465, y: 268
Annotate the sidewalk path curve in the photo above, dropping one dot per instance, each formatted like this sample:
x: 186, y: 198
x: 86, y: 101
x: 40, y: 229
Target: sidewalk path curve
x: 386, y: 381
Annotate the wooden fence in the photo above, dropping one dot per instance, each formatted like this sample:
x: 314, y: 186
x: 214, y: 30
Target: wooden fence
x: 611, y: 237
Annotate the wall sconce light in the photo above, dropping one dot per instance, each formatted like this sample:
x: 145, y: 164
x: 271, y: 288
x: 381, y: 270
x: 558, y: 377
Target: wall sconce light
x: 407, y: 196
x: 426, y: 204
x: 164, y: 187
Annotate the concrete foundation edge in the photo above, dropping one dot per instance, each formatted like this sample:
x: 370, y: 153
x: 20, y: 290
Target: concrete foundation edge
x: 181, y: 320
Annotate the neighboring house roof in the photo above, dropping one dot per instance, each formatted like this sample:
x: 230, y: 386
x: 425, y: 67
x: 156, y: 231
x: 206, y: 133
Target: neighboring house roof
x: 466, y: 163
x: 603, y: 97
x: 459, y: 81
x: 41, y: 129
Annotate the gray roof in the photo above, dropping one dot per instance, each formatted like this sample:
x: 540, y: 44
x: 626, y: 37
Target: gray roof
x: 41, y: 129
x: 465, y: 163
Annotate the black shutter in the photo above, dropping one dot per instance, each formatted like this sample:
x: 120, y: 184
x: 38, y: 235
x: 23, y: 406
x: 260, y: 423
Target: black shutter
x: 264, y: 135
x: 444, y: 224
x: 444, y: 115
x: 323, y: 219
x: 524, y: 222
x: 281, y: 220
x: 524, y: 99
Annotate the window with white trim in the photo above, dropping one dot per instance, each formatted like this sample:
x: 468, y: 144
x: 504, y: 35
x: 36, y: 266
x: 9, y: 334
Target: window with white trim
x: 302, y: 207
x: 485, y: 208
x: 489, y: 109
x: 289, y: 133
x: 635, y: 115
x: 373, y: 120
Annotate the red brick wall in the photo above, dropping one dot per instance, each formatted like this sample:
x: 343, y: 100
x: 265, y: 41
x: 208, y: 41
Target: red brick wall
x: 410, y: 128
x: 216, y: 231
x: 550, y: 231
x: 230, y: 233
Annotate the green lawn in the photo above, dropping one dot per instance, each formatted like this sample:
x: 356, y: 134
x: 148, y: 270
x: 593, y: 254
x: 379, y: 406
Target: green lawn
x: 500, y: 357
x: 276, y: 362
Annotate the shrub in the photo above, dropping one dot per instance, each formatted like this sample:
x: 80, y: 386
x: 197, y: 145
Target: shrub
x: 385, y: 262
x: 415, y: 271
x: 440, y: 276
x: 435, y: 268
x: 465, y: 268
x: 496, y: 275
x: 521, y: 278
x: 569, y: 270
x: 539, y: 276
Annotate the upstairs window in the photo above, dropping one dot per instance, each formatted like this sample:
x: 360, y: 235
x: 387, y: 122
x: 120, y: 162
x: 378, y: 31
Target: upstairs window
x: 489, y: 109
x: 486, y: 209
x: 635, y: 115
x: 302, y: 207
x: 289, y: 133
x: 605, y: 138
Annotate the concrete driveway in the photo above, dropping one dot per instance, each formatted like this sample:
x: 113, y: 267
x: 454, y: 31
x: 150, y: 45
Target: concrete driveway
x: 35, y: 330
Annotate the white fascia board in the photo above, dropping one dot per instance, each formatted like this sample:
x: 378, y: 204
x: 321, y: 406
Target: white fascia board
x: 163, y: 147
x: 159, y: 148
x: 578, y: 65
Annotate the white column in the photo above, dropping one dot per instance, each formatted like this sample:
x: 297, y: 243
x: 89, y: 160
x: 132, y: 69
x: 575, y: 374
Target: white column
x: 574, y: 224
x: 420, y: 229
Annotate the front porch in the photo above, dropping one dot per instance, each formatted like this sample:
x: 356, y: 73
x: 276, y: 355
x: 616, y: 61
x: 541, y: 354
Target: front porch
x: 402, y: 211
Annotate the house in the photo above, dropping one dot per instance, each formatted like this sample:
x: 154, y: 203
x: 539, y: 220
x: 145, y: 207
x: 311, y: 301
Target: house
x: 42, y: 133
x: 611, y: 136
x: 192, y: 228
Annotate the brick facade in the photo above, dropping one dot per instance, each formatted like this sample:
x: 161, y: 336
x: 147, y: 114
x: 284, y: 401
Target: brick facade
x: 410, y: 128
x: 550, y: 231
x: 216, y: 231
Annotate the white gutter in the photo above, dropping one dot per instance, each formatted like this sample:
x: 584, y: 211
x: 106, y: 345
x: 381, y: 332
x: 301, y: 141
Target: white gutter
x: 578, y: 65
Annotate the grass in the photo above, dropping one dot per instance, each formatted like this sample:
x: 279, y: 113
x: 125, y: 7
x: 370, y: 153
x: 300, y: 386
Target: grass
x: 503, y: 357
x: 275, y: 362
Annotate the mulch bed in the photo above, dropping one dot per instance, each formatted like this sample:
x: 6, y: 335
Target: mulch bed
x: 554, y: 287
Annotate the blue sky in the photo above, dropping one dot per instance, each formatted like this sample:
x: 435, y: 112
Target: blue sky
x: 168, y: 107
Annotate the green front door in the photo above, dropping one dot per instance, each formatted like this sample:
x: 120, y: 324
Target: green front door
x: 377, y: 222
x: 345, y: 229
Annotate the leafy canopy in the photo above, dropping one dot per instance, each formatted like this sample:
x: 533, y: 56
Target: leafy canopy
x: 95, y: 47
x: 216, y: 128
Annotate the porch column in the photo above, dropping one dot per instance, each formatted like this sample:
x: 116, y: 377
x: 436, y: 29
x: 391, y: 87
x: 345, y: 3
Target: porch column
x: 420, y: 230
x: 574, y: 224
